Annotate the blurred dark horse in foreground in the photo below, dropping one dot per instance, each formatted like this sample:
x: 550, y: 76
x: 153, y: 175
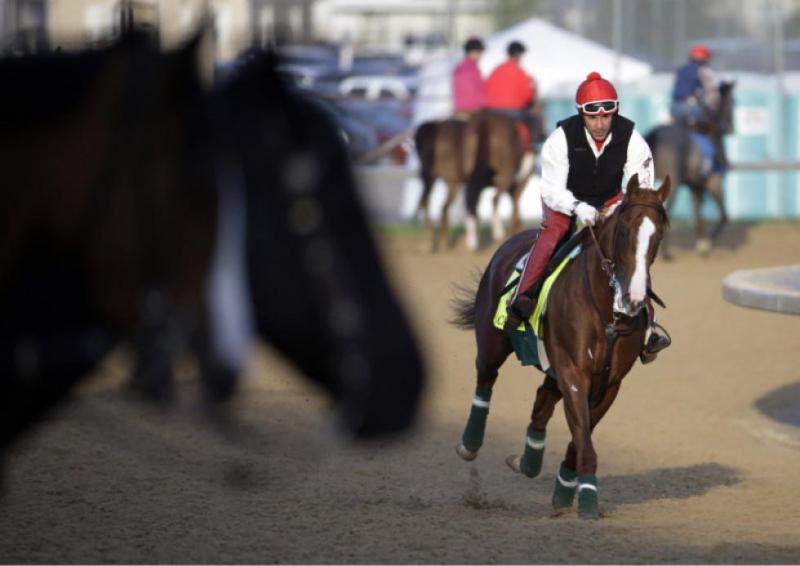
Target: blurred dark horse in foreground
x: 592, y: 333
x: 139, y: 206
x: 488, y: 150
x: 677, y: 154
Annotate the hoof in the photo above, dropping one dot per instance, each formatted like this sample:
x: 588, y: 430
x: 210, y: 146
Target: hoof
x: 465, y: 453
x: 514, y: 462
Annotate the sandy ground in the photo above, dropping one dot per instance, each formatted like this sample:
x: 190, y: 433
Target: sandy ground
x: 691, y: 470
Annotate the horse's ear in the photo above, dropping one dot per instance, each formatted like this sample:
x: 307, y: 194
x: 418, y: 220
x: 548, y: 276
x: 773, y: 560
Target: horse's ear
x: 633, y: 185
x: 665, y: 189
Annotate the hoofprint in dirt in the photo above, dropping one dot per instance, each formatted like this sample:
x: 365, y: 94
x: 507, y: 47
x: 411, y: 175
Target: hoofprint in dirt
x: 691, y: 470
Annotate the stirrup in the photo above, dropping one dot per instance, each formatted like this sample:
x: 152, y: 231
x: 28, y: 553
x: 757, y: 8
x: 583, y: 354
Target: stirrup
x: 655, y: 343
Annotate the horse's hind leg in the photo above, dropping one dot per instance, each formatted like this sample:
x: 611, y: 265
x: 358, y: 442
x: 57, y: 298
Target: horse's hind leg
x: 493, y: 349
x: 703, y: 244
x: 714, y: 188
x: 571, y: 478
x: 530, y: 463
x: 444, y: 221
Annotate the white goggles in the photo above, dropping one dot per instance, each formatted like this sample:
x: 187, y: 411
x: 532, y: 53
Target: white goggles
x: 599, y: 107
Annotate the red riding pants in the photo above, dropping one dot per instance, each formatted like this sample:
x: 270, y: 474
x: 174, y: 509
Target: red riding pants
x: 554, y: 227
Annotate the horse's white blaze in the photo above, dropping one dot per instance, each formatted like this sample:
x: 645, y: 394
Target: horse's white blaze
x: 478, y: 402
x: 638, y: 287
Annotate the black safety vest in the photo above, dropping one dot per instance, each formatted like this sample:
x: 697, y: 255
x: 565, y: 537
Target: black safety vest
x: 596, y: 180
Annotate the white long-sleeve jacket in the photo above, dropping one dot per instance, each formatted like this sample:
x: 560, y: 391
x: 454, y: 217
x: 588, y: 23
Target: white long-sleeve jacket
x: 555, y: 167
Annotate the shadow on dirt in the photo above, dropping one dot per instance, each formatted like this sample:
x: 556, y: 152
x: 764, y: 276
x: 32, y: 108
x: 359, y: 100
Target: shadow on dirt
x: 782, y: 404
x: 666, y: 483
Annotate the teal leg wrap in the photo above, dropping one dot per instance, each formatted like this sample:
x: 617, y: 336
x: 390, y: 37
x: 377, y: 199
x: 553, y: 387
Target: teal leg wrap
x: 472, y: 439
x: 532, y: 457
x: 566, y: 486
x: 587, y: 497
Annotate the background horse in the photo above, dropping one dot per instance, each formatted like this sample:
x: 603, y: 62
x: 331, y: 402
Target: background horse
x: 676, y: 154
x: 594, y: 329
x: 160, y: 206
x: 439, y: 147
x: 487, y: 150
x: 493, y: 157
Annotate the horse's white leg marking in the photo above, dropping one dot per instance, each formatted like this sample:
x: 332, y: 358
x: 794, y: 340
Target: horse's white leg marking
x: 638, y: 288
x: 478, y: 402
x: 526, y: 167
x: 498, y: 230
x: 471, y: 224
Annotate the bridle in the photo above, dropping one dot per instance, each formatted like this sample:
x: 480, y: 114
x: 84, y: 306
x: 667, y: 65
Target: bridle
x: 614, y: 328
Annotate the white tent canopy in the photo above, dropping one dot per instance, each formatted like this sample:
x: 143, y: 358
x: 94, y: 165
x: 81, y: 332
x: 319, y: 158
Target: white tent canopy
x: 557, y: 59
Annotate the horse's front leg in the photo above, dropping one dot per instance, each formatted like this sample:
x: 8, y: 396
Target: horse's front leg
x: 493, y: 349
x: 703, y: 243
x: 575, y: 385
x: 568, y: 479
x: 530, y: 463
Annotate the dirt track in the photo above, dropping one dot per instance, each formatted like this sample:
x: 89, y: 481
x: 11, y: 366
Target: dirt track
x: 690, y: 469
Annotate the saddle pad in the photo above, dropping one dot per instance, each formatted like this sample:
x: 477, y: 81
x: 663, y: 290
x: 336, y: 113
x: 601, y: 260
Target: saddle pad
x: 541, y: 305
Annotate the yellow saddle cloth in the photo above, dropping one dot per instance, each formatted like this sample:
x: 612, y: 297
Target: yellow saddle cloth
x: 541, y: 305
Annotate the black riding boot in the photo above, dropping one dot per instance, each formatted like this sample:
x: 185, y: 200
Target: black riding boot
x: 655, y: 343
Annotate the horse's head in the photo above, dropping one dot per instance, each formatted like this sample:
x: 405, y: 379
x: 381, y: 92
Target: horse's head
x: 726, y: 104
x: 638, y: 224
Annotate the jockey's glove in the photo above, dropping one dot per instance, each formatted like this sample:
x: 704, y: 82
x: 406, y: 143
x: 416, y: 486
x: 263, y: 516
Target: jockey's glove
x: 586, y: 213
x: 518, y: 311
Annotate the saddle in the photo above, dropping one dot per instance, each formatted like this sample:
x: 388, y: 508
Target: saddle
x: 527, y: 339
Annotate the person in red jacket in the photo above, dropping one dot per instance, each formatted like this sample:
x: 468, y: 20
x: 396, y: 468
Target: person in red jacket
x: 510, y: 90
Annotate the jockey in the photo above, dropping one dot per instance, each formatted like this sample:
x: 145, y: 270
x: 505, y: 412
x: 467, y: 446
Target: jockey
x: 510, y: 90
x: 583, y: 163
x: 469, y: 90
x: 696, y: 90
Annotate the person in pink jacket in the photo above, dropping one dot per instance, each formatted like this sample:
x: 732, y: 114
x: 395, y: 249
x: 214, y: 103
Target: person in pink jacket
x: 469, y: 90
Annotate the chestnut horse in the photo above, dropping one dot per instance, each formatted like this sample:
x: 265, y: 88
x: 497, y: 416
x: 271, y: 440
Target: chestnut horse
x: 593, y: 331
x: 485, y: 151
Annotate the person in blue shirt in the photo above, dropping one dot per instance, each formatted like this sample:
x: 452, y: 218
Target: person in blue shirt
x: 696, y: 90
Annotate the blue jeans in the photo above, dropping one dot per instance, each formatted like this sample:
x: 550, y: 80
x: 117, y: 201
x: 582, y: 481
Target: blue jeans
x: 688, y: 113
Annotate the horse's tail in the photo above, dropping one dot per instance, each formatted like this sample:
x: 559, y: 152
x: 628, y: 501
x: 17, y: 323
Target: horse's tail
x: 463, y: 303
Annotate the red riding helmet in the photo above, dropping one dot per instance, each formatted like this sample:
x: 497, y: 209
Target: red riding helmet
x: 596, y: 95
x: 700, y: 52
